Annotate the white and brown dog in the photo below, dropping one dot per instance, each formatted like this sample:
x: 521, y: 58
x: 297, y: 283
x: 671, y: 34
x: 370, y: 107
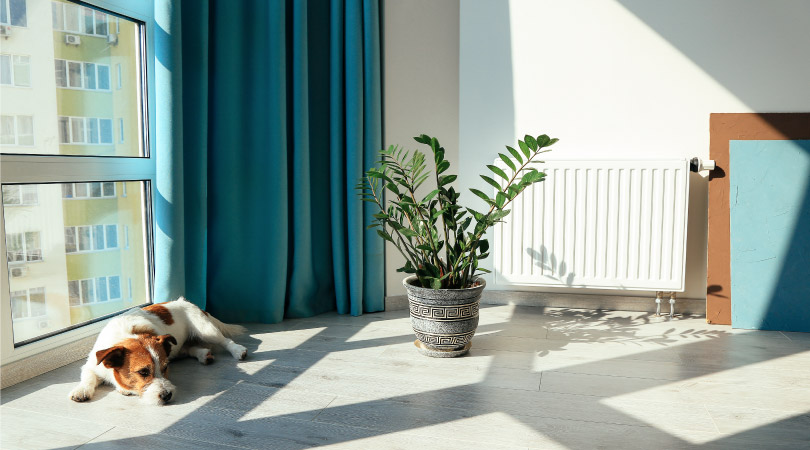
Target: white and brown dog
x: 133, y: 350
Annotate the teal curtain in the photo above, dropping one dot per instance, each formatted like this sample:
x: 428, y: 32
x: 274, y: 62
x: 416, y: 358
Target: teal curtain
x: 281, y: 112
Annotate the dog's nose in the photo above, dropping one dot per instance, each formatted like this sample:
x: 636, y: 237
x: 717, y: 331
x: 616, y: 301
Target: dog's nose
x: 166, y: 396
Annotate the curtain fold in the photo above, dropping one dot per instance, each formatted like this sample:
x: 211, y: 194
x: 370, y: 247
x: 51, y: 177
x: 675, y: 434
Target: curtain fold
x: 281, y: 114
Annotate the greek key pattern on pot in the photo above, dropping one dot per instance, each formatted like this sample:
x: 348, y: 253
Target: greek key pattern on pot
x: 444, y: 340
x: 455, y: 312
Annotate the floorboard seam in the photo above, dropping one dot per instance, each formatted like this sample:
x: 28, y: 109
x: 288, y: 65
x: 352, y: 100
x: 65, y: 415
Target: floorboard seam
x: 95, y: 437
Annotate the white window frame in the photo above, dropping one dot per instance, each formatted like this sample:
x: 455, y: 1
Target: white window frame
x: 80, y: 10
x: 8, y: 19
x: 85, y: 127
x: 28, y: 304
x: 93, y: 249
x: 96, y: 301
x: 83, y: 75
x: 26, y: 252
x: 17, y: 127
x: 88, y: 188
x: 21, y: 196
x: 37, y: 168
x: 12, y: 65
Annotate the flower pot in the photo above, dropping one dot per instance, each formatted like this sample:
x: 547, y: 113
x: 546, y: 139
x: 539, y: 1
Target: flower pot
x: 444, y: 320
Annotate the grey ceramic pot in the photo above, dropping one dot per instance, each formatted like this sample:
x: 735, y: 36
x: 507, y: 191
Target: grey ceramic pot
x: 444, y: 320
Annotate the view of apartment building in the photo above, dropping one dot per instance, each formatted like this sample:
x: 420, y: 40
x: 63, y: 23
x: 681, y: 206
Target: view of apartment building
x: 75, y: 250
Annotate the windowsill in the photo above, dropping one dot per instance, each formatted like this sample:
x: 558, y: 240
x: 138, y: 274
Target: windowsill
x: 23, y: 263
x: 29, y: 319
x: 71, y: 88
x: 108, y: 302
x: 86, y: 252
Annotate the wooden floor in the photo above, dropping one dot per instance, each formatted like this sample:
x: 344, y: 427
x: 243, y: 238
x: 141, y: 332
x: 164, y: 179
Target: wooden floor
x: 535, y: 378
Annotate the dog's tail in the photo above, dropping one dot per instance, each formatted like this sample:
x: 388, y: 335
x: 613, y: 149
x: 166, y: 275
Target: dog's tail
x: 227, y: 329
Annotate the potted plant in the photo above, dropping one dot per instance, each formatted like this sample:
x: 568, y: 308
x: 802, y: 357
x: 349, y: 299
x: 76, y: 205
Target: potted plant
x: 442, y: 241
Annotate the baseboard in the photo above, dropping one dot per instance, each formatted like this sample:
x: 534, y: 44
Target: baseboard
x: 24, y: 369
x: 683, y: 306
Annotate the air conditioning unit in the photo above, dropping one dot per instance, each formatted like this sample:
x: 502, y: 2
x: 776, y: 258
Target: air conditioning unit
x: 72, y: 39
x: 5, y: 31
x: 112, y: 39
x: 44, y: 324
x: 18, y: 272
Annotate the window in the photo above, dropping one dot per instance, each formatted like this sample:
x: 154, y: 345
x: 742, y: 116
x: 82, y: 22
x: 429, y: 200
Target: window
x: 91, y: 238
x: 88, y: 190
x: 79, y: 19
x: 16, y: 130
x: 118, y: 72
x: 23, y: 247
x: 85, y: 130
x: 28, y: 303
x: 15, y: 70
x: 94, y: 290
x: 62, y: 217
x: 82, y: 75
x: 120, y: 131
x: 20, y: 195
x: 12, y: 12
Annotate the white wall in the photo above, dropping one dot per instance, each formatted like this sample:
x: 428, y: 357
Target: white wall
x: 611, y: 79
x: 628, y: 79
x: 420, y: 86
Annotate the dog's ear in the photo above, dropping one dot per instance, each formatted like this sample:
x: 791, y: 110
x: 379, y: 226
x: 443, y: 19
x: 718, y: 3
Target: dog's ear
x: 111, y: 357
x: 166, y: 340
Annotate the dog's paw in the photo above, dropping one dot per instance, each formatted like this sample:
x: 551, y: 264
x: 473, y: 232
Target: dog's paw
x: 206, y: 359
x: 79, y: 395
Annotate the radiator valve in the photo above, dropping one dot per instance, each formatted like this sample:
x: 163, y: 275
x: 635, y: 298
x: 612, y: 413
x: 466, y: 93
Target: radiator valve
x: 696, y: 164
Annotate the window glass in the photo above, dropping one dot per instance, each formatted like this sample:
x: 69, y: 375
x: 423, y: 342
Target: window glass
x: 5, y: 68
x: 7, y: 130
x: 25, y: 130
x: 22, y: 70
x: 85, y: 242
x: 108, y: 189
x: 89, y: 76
x: 17, y: 13
x: 111, y: 236
x: 70, y: 240
x: 103, y: 77
x: 115, y: 287
x: 101, y: 289
x: 78, y: 39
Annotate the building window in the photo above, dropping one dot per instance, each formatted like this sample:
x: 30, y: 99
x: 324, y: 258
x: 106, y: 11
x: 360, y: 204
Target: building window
x: 91, y: 238
x: 94, y: 290
x: 119, y: 83
x: 15, y: 70
x: 12, y: 12
x: 85, y: 130
x: 16, y: 130
x: 82, y: 75
x: 79, y: 19
x: 23, y: 247
x: 20, y: 195
x: 28, y: 303
x: 62, y: 175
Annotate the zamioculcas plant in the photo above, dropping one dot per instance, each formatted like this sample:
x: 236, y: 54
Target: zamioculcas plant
x: 442, y: 241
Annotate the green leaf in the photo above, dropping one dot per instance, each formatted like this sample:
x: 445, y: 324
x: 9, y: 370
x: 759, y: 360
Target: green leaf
x: 552, y: 142
x: 430, y: 195
x: 531, y: 142
x: 483, y: 196
x: 507, y: 161
x: 442, y: 167
x: 524, y: 148
x: 497, y: 171
x: 491, y: 182
x: 422, y: 139
x: 435, y: 283
x: 445, y: 179
x: 483, y: 245
x: 500, y: 199
x: 384, y: 234
x: 543, y: 140
x: 516, y: 154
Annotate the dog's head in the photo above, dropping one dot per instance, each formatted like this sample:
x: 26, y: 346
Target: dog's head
x: 141, y: 365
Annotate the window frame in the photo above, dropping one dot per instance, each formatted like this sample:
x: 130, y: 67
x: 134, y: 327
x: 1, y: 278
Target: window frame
x: 93, y: 248
x: 81, y: 8
x: 17, y: 130
x: 83, y: 75
x: 12, y: 64
x: 33, y: 168
x: 28, y: 305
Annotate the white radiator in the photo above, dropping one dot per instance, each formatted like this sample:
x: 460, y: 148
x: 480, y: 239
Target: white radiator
x: 598, y: 224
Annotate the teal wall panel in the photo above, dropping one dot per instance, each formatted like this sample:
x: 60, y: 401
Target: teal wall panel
x: 770, y: 234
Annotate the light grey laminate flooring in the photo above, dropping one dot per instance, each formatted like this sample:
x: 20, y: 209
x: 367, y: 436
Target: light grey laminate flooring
x: 548, y: 378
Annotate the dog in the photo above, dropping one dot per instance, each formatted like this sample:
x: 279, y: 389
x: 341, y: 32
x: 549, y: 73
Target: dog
x: 133, y: 350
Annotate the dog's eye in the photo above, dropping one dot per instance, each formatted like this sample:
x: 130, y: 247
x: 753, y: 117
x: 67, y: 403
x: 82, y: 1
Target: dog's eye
x: 143, y: 372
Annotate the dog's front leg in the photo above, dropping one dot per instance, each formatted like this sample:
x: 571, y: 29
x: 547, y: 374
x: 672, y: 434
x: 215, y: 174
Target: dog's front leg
x: 87, y: 386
